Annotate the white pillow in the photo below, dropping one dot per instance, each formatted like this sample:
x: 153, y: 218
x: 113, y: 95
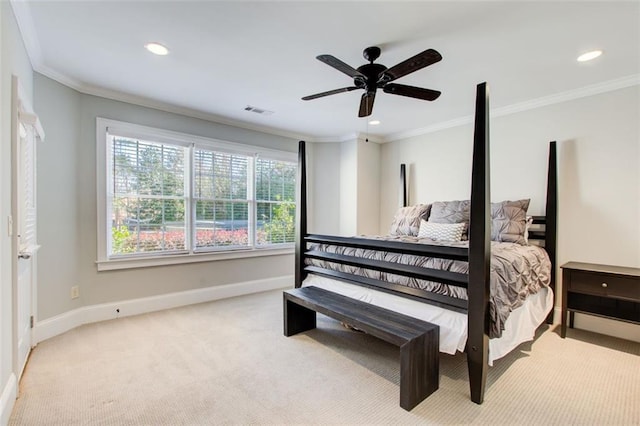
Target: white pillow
x: 441, y: 231
x: 528, y: 223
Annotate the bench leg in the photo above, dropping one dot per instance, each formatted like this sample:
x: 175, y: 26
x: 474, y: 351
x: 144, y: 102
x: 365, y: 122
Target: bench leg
x: 297, y: 318
x: 419, y: 369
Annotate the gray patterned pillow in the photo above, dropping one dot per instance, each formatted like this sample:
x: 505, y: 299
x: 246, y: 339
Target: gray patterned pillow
x: 407, y: 219
x: 451, y: 212
x: 441, y: 231
x: 509, y: 221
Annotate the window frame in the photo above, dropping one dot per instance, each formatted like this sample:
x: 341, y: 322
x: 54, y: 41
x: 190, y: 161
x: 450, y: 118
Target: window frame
x: 191, y: 254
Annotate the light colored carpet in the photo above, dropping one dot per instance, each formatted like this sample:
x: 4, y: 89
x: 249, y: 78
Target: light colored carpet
x: 227, y: 362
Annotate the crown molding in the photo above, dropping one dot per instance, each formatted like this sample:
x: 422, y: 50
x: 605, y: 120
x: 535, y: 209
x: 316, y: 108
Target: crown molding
x: 429, y: 129
x: 364, y: 137
x: 595, y: 89
x: 27, y: 29
x: 350, y: 137
x: 336, y: 139
x: 162, y: 106
x: 582, y: 92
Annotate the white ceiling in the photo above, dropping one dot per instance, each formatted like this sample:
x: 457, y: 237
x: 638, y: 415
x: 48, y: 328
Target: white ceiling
x: 227, y: 55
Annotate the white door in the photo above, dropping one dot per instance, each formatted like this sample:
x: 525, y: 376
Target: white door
x: 26, y: 132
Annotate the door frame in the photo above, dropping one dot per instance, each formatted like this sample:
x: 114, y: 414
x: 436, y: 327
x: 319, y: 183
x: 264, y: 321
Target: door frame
x: 21, y: 112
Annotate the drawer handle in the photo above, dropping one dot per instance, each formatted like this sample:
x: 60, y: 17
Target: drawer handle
x: 604, y: 285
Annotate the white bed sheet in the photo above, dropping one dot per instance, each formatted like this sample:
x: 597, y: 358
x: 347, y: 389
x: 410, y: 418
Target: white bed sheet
x: 520, y: 326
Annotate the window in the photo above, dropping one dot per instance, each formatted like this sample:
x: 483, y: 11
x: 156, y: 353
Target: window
x: 148, y: 203
x: 169, y: 195
x: 221, y: 199
x: 275, y: 197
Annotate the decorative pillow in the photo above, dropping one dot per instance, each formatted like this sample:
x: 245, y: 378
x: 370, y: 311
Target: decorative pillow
x: 441, y: 231
x: 528, y: 223
x: 407, y: 219
x: 451, y: 212
x: 509, y: 221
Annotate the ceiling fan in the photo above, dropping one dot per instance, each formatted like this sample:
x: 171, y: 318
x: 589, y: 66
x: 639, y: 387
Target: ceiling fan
x: 372, y: 76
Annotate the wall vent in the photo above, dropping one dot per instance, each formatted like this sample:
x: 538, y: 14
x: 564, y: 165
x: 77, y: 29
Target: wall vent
x: 258, y: 110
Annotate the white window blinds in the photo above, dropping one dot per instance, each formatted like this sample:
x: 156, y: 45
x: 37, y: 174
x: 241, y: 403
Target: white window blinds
x: 26, y: 193
x: 167, y: 193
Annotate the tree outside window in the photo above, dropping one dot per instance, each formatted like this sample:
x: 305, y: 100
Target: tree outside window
x: 168, y: 198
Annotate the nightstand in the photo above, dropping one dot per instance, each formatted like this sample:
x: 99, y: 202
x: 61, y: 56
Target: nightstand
x: 602, y: 290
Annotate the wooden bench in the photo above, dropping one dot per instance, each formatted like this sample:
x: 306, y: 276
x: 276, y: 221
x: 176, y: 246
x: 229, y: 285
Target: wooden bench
x: 418, y: 340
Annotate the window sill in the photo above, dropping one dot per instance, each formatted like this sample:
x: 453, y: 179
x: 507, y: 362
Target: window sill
x: 146, y: 262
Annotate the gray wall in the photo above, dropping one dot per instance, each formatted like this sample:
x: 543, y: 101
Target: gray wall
x: 67, y: 205
x: 323, y: 161
x: 345, y: 187
x: 58, y: 199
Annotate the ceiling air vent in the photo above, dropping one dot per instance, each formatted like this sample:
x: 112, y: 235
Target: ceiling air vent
x: 258, y: 110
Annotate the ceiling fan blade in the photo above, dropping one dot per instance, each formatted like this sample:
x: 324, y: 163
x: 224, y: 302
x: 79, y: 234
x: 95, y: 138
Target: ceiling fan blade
x: 366, y: 104
x: 411, y: 91
x: 412, y: 64
x: 330, y: 92
x: 336, y: 63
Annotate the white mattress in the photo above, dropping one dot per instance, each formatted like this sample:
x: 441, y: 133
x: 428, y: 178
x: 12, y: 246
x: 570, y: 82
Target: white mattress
x: 520, y: 327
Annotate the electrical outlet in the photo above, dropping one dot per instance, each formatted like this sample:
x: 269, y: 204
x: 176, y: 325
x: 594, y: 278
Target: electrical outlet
x: 75, y: 292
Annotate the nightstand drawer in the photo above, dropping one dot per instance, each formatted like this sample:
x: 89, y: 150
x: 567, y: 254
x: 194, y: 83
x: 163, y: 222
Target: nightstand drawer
x: 605, y: 285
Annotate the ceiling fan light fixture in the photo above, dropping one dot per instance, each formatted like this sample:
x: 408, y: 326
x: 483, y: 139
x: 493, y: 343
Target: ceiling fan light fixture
x: 157, y: 48
x: 589, y: 55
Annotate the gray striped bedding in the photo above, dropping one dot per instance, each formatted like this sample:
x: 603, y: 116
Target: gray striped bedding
x: 516, y: 272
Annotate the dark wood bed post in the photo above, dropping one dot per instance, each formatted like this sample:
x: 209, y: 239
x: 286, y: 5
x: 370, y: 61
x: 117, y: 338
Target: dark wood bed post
x: 403, y: 184
x: 551, y: 220
x: 301, y: 215
x: 479, y: 251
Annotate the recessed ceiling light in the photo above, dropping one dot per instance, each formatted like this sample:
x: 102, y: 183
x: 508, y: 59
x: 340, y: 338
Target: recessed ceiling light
x: 589, y: 55
x: 157, y: 49
x: 374, y: 122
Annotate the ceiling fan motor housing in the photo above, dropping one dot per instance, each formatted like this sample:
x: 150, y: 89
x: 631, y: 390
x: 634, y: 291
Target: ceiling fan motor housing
x: 372, y: 73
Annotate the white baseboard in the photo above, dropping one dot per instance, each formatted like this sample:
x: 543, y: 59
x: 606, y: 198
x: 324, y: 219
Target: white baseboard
x: 8, y: 399
x: 88, y: 314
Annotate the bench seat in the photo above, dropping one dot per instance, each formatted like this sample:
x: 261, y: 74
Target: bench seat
x: 418, y: 340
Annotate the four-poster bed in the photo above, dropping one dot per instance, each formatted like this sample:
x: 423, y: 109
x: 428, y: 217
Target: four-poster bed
x: 329, y: 261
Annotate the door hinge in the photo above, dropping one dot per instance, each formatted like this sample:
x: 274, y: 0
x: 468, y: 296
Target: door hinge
x: 31, y: 321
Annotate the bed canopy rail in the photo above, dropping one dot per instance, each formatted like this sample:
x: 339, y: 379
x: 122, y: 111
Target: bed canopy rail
x: 478, y: 254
